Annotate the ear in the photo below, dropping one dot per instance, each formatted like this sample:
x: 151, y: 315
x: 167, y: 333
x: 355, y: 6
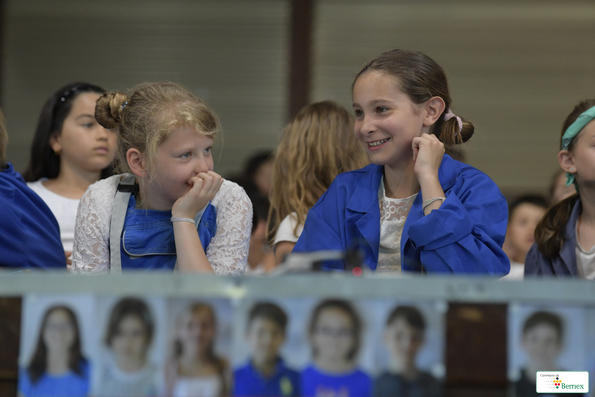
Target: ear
x: 566, y: 160
x: 137, y: 162
x: 434, y: 109
x: 55, y: 143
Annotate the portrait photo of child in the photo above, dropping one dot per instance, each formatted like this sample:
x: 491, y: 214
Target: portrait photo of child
x: 199, y: 346
x: 56, y: 336
x: 543, y: 339
x: 130, y: 347
x: 264, y: 371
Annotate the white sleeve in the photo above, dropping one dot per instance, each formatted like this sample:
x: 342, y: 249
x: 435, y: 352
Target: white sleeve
x: 286, y: 228
x: 228, y: 250
x: 91, y: 233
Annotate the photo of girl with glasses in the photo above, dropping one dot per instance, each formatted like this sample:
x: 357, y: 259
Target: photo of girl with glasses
x: 335, y: 333
x: 57, y: 367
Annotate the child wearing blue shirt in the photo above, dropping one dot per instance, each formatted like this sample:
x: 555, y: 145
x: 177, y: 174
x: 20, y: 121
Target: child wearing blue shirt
x: 335, y: 331
x: 265, y: 374
x: 57, y: 367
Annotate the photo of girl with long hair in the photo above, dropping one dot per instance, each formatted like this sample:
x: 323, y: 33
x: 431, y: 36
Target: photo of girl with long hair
x: 194, y: 368
x: 57, y: 366
x: 335, y: 334
x: 129, y: 335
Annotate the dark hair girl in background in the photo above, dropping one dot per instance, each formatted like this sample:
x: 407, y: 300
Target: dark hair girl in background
x: 58, y: 367
x: 70, y: 151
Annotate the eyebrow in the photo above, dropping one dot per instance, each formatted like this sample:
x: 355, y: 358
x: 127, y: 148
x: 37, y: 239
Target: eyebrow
x: 375, y: 102
x: 85, y: 115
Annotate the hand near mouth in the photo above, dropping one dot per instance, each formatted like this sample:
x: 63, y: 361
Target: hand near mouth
x: 428, y: 152
x: 204, y: 187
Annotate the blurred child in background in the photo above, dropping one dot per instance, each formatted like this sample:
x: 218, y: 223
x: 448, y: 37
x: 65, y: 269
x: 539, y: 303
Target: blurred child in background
x: 129, y: 373
x: 195, y: 369
x: 404, y: 336
x: 70, y: 151
x: 317, y: 145
x: 265, y: 374
x: 524, y: 213
x: 335, y: 334
x: 58, y: 367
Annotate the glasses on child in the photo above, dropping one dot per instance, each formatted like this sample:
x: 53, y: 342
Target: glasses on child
x: 335, y: 332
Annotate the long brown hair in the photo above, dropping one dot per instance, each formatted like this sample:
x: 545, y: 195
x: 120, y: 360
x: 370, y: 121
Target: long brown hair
x: 38, y: 365
x: 317, y: 145
x: 549, y: 233
x: 421, y: 78
x: 219, y: 363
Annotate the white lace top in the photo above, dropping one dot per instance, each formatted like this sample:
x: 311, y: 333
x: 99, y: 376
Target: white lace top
x: 393, y: 214
x: 227, y: 252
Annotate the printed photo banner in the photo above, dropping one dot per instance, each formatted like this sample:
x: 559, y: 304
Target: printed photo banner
x: 104, y: 345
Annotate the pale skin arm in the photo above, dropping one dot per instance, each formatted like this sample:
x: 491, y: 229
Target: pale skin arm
x: 190, y: 252
x: 427, y: 154
x: 282, y: 249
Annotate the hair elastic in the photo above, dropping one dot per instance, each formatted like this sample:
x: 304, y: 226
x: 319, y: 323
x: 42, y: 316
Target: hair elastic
x: 449, y: 115
x: 124, y: 105
x: 571, y: 132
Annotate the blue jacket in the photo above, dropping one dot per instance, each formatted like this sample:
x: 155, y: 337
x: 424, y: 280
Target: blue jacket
x: 29, y: 232
x: 537, y: 264
x: 465, y: 235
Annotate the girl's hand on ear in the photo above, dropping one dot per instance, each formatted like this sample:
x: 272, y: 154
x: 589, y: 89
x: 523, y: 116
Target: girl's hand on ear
x: 428, y: 152
x: 204, y: 188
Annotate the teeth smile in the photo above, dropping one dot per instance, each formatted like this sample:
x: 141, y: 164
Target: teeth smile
x: 378, y: 143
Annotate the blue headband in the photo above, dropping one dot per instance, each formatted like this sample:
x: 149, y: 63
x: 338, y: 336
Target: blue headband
x: 572, y: 131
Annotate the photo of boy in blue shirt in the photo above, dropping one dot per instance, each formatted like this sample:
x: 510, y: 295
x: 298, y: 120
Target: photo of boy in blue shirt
x: 265, y: 373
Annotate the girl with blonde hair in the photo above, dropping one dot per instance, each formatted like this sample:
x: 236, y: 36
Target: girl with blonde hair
x: 171, y: 209
x: 317, y: 145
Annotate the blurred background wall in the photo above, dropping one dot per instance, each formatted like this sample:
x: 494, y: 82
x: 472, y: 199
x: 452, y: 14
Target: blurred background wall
x: 516, y: 68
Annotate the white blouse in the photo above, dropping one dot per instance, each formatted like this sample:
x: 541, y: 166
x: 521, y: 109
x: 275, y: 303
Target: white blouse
x: 393, y: 214
x: 227, y: 252
x: 63, y: 208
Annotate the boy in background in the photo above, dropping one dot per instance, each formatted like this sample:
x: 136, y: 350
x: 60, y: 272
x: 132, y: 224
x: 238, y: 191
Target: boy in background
x: 265, y: 374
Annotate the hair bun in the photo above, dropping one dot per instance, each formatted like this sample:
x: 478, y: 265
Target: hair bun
x: 450, y: 133
x: 109, y: 109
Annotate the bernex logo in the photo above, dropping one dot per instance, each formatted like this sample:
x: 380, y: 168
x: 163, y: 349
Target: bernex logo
x: 562, y: 382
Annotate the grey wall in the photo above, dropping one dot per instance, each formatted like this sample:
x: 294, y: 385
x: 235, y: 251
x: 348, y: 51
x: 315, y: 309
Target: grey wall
x: 516, y: 68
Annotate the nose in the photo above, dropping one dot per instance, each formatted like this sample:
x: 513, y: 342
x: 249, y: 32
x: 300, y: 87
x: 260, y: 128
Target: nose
x: 101, y: 133
x: 200, y: 165
x: 367, y: 125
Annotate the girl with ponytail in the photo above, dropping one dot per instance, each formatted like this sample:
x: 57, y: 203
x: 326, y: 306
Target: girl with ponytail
x: 167, y: 209
x: 565, y: 236
x: 414, y: 209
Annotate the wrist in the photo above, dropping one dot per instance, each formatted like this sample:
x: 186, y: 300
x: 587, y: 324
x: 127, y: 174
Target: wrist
x: 428, y: 179
x: 175, y: 219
